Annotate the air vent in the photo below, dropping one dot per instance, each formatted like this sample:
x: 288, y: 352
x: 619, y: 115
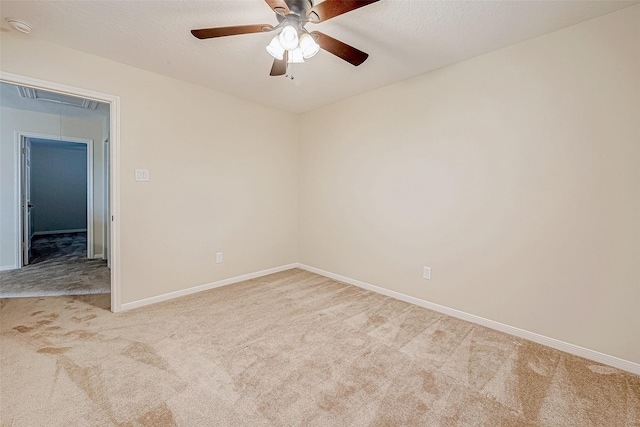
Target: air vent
x: 27, y: 92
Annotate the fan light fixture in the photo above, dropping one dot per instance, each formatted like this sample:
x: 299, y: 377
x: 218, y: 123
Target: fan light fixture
x: 275, y: 49
x: 300, y: 47
x: 308, y: 45
x: 295, y: 56
x: 289, y: 37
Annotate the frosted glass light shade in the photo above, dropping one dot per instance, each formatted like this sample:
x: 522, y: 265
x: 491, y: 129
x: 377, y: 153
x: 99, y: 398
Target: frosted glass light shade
x: 295, y: 56
x: 289, y: 38
x: 275, y: 49
x: 308, y: 45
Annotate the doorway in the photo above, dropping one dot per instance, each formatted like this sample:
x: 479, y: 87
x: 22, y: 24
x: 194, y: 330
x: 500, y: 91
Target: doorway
x: 61, y: 214
x: 109, y: 230
x: 56, y: 193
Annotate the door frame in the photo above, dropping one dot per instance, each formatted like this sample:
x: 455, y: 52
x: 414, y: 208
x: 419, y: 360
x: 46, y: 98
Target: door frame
x: 106, y: 230
x: 20, y: 137
x: 114, y: 163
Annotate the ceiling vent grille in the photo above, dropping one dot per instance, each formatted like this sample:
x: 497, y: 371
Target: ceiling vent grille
x: 27, y: 92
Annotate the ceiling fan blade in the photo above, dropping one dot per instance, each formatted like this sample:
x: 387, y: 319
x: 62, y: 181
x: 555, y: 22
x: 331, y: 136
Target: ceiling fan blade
x: 208, y: 33
x: 340, y: 49
x: 331, y: 8
x: 279, y: 67
x: 278, y: 6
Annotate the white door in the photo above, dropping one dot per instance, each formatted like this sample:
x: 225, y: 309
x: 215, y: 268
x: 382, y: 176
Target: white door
x: 27, y: 219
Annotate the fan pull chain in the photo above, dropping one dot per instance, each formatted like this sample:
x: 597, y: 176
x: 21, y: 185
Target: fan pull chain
x: 287, y: 73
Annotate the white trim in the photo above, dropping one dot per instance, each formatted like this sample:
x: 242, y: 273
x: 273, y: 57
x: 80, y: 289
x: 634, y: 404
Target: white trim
x: 114, y: 150
x: 17, y: 217
x: 19, y: 136
x: 90, y: 190
x: 98, y: 256
x: 105, y: 198
x: 114, y: 202
x: 75, y: 230
x: 596, y: 356
x: 8, y: 267
x: 207, y: 286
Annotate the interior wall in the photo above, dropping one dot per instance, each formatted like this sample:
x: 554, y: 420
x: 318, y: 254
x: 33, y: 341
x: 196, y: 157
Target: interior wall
x: 515, y: 176
x: 13, y: 120
x: 58, y: 186
x: 223, y: 173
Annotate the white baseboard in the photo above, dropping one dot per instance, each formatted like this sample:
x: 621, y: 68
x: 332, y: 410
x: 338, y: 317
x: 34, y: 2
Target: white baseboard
x: 74, y: 230
x: 200, y: 288
x: 98, y: 256
x: 596, y: 356
x: 8, y: 267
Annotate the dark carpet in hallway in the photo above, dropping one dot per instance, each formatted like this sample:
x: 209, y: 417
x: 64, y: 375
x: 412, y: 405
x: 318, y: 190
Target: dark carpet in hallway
x: 58, y: 266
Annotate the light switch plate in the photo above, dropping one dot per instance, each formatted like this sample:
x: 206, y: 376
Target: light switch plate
x: 142, y: 175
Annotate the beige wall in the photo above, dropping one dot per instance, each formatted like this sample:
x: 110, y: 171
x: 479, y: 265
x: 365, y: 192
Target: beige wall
x: 514, y: 175
x: 12, y: 120
x: 223, y: 171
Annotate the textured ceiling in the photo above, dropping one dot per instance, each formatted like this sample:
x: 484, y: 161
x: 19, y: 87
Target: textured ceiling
x: 404, y: 38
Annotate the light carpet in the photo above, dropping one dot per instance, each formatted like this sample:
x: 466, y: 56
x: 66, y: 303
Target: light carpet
x: 289, y: 349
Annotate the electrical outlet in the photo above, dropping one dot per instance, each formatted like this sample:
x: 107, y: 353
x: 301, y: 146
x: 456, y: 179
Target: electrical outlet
x: 426, y: 273
x: 218, y: 257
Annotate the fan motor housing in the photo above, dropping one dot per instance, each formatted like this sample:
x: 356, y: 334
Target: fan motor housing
x: 297, y: 7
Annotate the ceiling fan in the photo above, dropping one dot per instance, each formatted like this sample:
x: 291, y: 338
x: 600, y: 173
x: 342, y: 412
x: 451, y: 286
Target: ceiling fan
x: 294, y: 43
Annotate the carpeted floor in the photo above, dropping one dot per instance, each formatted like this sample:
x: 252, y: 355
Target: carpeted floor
x: 58, y: 266
x: 288, y: 349
x: 70, y: 246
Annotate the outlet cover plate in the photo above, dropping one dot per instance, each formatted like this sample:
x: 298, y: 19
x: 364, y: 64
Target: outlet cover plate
x: 426, y: 273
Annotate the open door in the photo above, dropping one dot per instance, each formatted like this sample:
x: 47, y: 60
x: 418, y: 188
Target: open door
x: 27, y: 219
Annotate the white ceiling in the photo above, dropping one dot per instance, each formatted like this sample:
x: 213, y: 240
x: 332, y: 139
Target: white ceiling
x: 404, y: 38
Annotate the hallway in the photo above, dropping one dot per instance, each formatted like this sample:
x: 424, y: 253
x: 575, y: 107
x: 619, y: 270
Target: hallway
x: 58, y: 266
